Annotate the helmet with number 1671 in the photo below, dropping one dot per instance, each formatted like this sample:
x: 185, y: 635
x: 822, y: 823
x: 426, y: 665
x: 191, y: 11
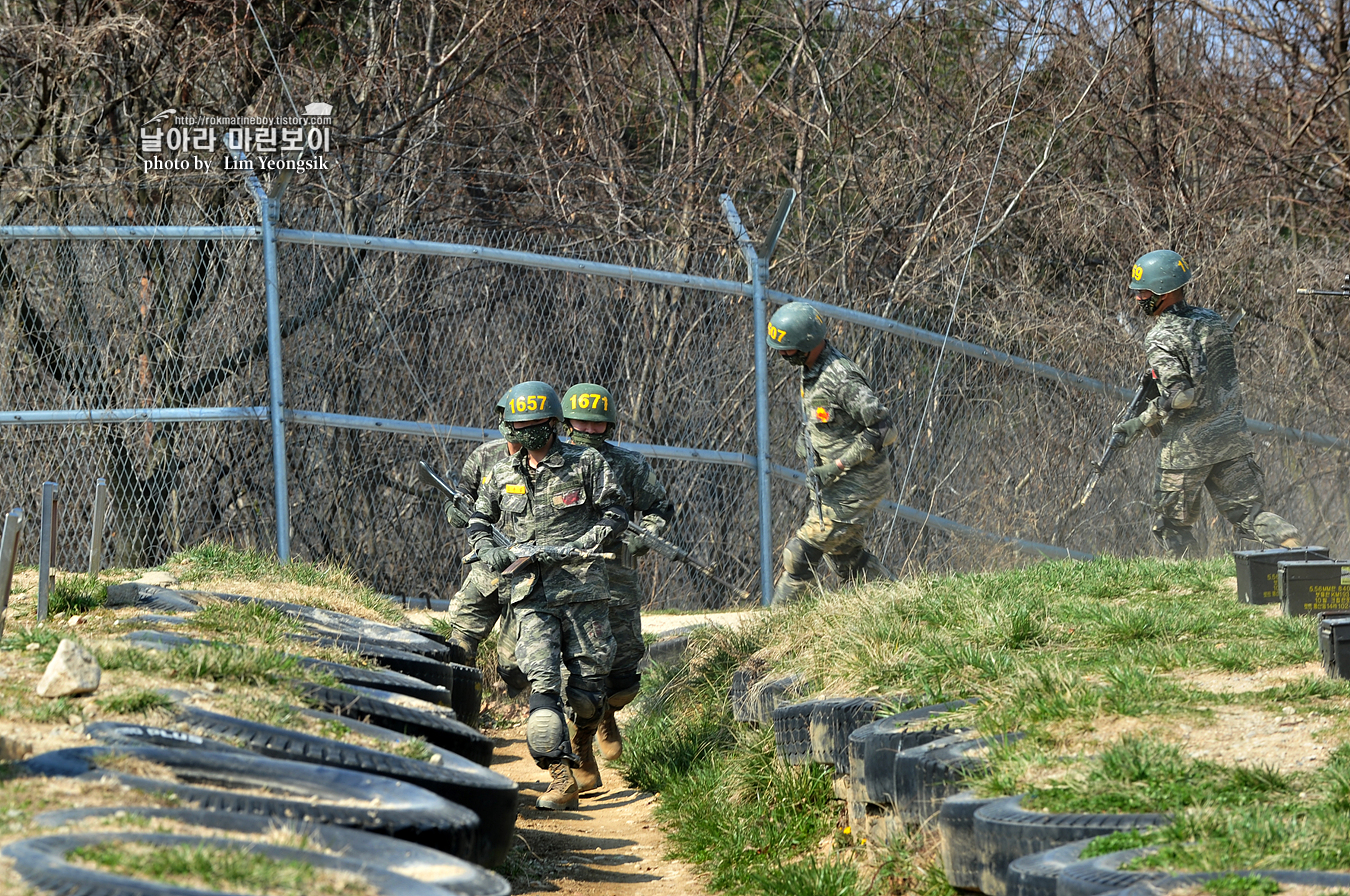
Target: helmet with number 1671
x: 587, y: 401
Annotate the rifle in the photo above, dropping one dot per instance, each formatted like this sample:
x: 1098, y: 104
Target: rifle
x: 1343, y: 292
x: 526, y: 552
x: 1146, y: 389
x: 427, y: 476
x: 672, y: 551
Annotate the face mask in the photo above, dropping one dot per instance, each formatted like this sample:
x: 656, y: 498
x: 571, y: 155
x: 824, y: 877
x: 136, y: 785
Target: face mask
x: 533, y: 437
x: 589, y: 439
x: 796, y: 360
x: 507, y: 432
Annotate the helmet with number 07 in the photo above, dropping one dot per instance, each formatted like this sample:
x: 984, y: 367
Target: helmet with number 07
x: 532, y: 401
x: 797, y: 325
x: 587, y: 401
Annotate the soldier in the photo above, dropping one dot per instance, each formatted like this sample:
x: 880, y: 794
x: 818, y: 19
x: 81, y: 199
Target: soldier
x: 477, y: 605
x: 590, y: 416
x: 847, y: 431
x: 1205, y: 442
x: 556, y: 495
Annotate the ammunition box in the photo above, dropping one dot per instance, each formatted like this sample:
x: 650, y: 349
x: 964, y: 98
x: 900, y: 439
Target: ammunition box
x: 1333, y: 636
x: 1257, y: 579
x: 1314, y: 586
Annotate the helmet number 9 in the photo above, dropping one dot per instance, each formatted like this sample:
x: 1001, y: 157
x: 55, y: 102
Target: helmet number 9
x: 528, y: 403
x: 591, y: 400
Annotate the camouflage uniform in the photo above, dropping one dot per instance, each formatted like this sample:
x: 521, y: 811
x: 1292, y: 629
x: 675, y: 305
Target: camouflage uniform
x: 561, y: 610
x: 1205, y: 445
x: 474, y: 609
x: 646, y: 496
x: 845, y: 421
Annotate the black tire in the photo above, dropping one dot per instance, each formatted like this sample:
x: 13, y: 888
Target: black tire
x: 792, y: 731
x: 667, y: 652
x: 1038, y: 874
x: 430, y: 866
x: 879, y: 741
x: 42, y: 862
x: 833, y: 721
x: 762, y: 697
x: 1007, y: 832
x: 448, y: 733
x: 125, y: 734
x: 1101, y: 874
x: 395, y: 682
x: 149, y: 597
x: 336, y: 623
x: 928, y: 774
x: 1322, y: 879
x: 742, y: 680
x: 459, y: 780
x: 231, y: 782
x: 962, y: 861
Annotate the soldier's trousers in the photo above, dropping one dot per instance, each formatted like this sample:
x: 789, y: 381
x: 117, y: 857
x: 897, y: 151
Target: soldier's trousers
x: 625, y: 622
x: 836, y: 530
x: 1239, y: 492
x: 575, y: 636
x: 473, y: 611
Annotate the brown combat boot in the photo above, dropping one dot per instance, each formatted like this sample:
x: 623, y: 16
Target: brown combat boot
x: 587, y: 773
x: 562, y: 792
x: 611, y: 743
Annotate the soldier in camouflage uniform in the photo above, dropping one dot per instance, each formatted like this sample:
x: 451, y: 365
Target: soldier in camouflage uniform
x: 553, y: 494
x: 1198, y: 415
x: 476, y: 607
x: 847, y: 431
x: 590, y: 417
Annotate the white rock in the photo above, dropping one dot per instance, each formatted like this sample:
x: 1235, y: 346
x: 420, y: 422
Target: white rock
x: 156, y: 577
x: 74, y: 621
x: 73, y: 670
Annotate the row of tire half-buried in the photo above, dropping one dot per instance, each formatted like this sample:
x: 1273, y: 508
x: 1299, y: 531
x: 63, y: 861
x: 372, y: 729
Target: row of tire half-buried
x: 906, y: 770
x: 401, y: 825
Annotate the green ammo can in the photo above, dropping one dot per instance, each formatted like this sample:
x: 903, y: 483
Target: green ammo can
x: 1257, y: 579
x: 1333, y: 636
x: 1314, y: 586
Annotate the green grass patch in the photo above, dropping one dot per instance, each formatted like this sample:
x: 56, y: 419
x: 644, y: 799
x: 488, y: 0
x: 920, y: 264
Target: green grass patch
x: 136, y: 702
x: 254, y: 622
x: 76, y: 595
x: 56, y: 711
x: 413, y: 748
x: 239, y: 870
x: 211, y: 662
x: 18, y: 639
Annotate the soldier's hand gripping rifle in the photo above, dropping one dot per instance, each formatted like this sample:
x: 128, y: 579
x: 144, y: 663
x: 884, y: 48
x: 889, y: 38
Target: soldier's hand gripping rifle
x: 427, y: 476
x: 526, y: 552
x: 672, y: 551
x: 1146, y: 389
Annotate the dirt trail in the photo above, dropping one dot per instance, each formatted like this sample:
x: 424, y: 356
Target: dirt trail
x: 611, y: 846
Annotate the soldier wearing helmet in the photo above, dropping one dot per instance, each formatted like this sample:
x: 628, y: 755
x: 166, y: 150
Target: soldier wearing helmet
x: 846, y: 432
x: 475, y: 608
x: 553, y: 494
x: 1198, y: 415
x: 590, y: 415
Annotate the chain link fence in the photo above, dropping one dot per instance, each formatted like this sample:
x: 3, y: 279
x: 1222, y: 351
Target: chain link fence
x: 391, y: 356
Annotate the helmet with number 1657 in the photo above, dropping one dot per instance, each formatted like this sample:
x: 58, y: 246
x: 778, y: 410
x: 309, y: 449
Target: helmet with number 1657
x: 532, y: 401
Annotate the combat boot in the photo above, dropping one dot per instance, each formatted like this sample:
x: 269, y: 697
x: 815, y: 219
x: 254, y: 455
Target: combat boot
x: 587, y: 773
x: 562, y: 792
x: 611, y: 743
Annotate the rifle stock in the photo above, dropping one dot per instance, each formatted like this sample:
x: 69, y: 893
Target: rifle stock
x: 672, y: 551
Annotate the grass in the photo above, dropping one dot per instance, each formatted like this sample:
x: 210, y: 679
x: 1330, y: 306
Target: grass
x: 208, y: 662
x: 241, y: 870
x: 138, y: 702
x: 76, y: 594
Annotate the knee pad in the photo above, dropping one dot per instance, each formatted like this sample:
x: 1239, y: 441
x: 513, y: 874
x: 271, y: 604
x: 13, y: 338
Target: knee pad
x: 546, y: 731
x: 587, y: 705
x: 800, y: 558
x: 623, y: 688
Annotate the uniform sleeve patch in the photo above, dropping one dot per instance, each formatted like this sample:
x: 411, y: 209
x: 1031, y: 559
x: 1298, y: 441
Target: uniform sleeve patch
x: 570, y: 499
x: 515, y: 489
x: 824, y: 415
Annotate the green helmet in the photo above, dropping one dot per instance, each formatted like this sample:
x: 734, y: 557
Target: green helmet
x: 531, y: 401
x: 501, y: 402
x: 1157, y: 272
x: 587, y: 401
x: 797, y: 325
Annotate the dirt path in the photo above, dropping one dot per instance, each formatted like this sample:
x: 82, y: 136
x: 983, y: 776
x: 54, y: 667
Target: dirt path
x: 611, y: 846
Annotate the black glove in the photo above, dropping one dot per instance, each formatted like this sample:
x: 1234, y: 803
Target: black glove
x: 495, y: 558
x: 827, y: 473
x: 457, y: 518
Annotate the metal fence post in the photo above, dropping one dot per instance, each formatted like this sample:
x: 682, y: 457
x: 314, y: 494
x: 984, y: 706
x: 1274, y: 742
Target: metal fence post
x: 757, y: 269
x: 9, y: 548
x: 96, y: 536
x: 46, y: 539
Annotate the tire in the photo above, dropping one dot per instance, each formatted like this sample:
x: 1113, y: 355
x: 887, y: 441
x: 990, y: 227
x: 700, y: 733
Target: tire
x: 833, y: 721
x: 1101, y: 874
x: 1039, y: 873
x: 1007, y: 832
x: 882, y: 739
x: 149, y: 597
x: 421, y: 863
x: 667, y: 652
x: 384, y: 680
x: 962, y: 861
x: 229, y: 782
x: 41, y: 861
x: 452, y: 735
x: 492, y: 796
x: 928, y: 774
x: 762, y: 697
x: 1162, y: 885
x: 792, y: 731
